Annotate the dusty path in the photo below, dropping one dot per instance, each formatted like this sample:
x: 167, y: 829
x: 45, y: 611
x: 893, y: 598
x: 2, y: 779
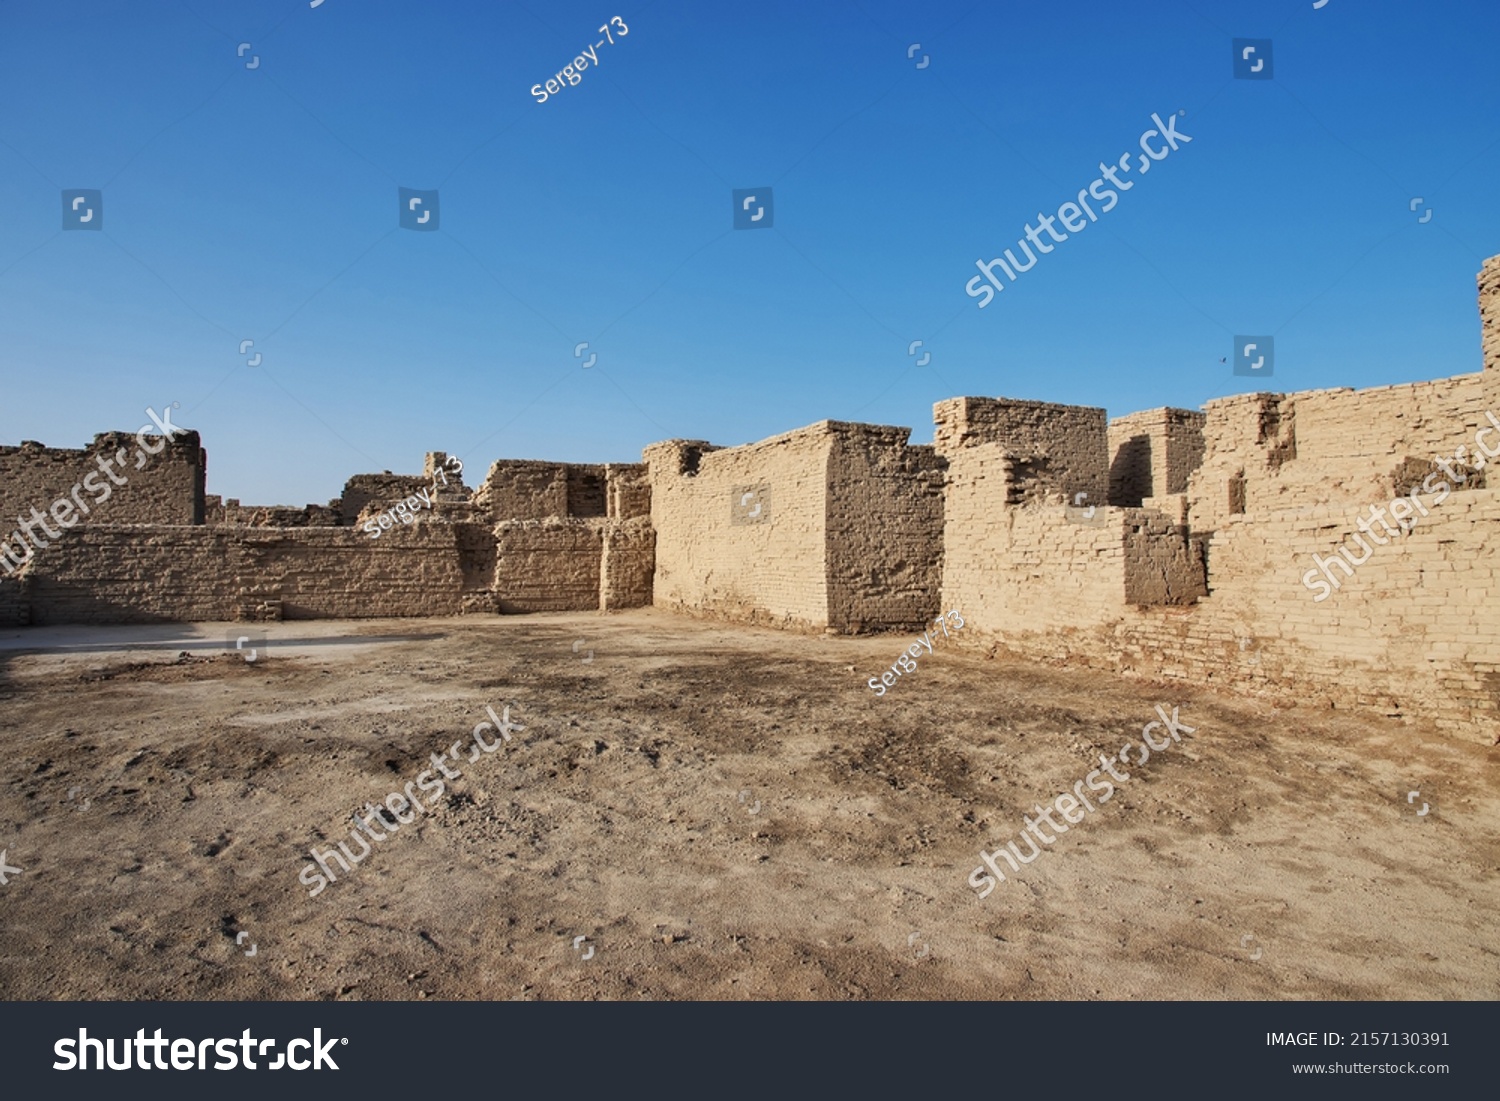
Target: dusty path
x: 722, y: 812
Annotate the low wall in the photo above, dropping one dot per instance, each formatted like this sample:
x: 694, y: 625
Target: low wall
x: 628, y: 565
x: 156, y: 573
x: 550, y: 565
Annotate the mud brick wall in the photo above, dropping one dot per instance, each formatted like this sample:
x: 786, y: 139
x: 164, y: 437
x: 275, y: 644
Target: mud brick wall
x: 550, y: 565
x: 884, y: 529
x: 629, y: 490
x: 1489, y: 322
x: 15, y: 602
x: 1013, y: 568
x: 524, y: 489
x: 1152, y: 453
x: 712, y: 559
x: 376, y: 493
x: 1064, y: 448
x: 232, y: 514
x: 1412, y: 635
x: 587, y: 492
x: 1163, y: 563
x: 1267, y: 451
x: 628, y: 564
x: 167, y: 489
x: 157, y: 573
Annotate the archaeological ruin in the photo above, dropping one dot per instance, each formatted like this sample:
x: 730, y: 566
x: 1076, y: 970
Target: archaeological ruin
x: 1179, y: 545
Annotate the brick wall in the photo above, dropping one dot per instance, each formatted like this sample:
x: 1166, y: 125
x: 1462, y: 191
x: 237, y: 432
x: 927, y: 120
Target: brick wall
x: 1152, y: 453
x: 884, y: 528
x: 166, y: 489
x: 628, y: 564
x: 712, y: 557
x: 153, y: 573
x: 550, y: 565
x: 1062, y: 449
x: 1489, y: 320
x: 629, y: 490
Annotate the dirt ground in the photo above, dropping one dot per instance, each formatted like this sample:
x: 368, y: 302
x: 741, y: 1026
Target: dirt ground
x: 721, y: 811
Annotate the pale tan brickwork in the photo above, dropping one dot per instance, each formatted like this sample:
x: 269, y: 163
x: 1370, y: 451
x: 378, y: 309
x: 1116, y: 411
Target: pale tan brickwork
x: 1196, y: 563
x: 167, y: 489
x: 1152, y: 453
x: 710, y: 559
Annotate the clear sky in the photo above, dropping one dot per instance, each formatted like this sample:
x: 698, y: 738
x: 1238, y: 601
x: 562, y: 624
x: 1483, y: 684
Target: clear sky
x: 261, y: 203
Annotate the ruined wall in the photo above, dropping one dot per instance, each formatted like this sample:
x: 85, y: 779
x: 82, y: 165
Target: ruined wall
x: 166, y: 489
x: 629, y: 490
x: 550, y: 565
x: 1415, y: 632
x: 1064, y: 449
x: 1489, y: 322
x: 523, y: 489
x: 1013, y: 567
x: 154, y: 573
x: 884, y: 529
x: 1269, y: 451
x: 627, y: 565
x: 231, y: 513
x: 377, y: 493
x: 742, y: 532
x: 1152, y: 453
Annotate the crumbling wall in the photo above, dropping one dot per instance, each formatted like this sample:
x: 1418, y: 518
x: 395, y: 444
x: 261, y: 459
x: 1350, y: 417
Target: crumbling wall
x: 1152, y: 454
x: 1286, y: 480
x: 1271, y: 451
x: 231, y: 513
x: 884, y: 528
x: 629, y: 487
x: 156, y: 573
x: 165, y: 488
x: 1489, y: 323
x: 627, y: 565
x: 550, y: 565
x: 741, y: 532
x: 1014, y: 567
x: 377, y: 493
x: 523, y: 489
x: 1063, y: 449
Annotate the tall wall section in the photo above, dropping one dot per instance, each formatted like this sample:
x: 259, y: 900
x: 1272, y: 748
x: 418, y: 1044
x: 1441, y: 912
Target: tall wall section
x: 884, y: 528
x: 1152, y: 454
x: 741, y: 532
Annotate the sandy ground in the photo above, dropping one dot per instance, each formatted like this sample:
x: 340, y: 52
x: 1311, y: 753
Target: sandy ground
x: 722, y: 812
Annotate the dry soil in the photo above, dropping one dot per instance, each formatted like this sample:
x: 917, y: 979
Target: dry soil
x: 722, y: 812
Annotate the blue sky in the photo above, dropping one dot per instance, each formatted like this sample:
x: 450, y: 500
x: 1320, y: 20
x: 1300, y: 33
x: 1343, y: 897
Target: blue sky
x: 261, y: 204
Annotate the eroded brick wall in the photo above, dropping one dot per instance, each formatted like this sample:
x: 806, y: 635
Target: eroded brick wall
x: 627, y: 565
x: 1064, y: 449
x: 166, y: 488
x: 1489, y: 320
x: 1152, y: 454
x: 550, y: 565
x: 154, y: 573
x: 884, y: 529
x: 712, y: 556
